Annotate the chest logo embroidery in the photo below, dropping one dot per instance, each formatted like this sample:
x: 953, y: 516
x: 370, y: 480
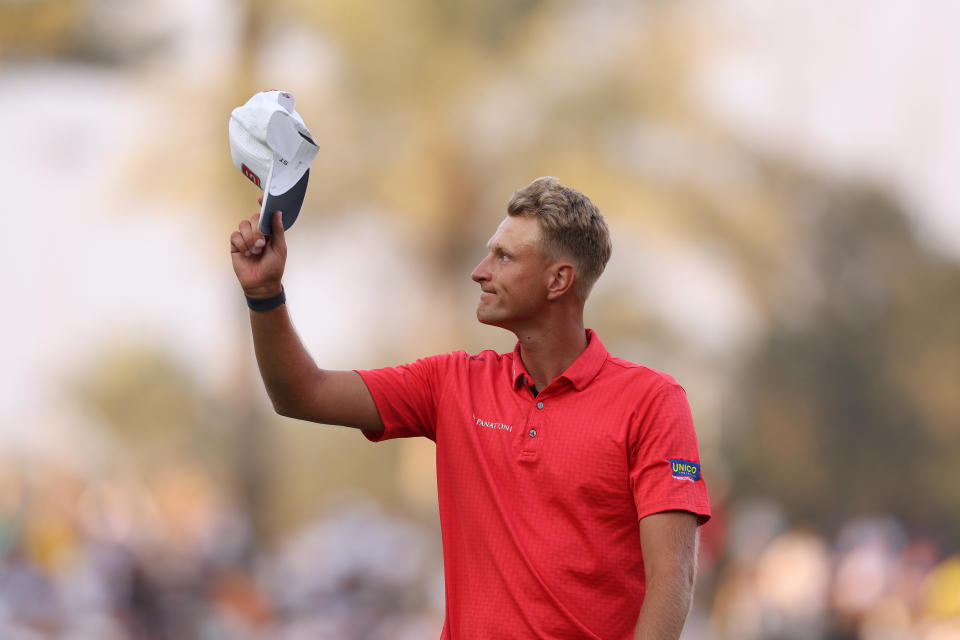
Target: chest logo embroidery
x: 480, y: 422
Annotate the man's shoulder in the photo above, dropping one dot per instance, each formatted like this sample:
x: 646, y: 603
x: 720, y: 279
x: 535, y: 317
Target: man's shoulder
x: 638, y: 373
x: 485, y: 358
x: 489, y: 358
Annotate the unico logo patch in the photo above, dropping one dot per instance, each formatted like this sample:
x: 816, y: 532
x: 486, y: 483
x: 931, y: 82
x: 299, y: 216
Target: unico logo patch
x: 684, y: 469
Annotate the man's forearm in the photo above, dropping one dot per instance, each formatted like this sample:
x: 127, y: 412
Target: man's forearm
x: 665, y: 608
x: 286, y: 367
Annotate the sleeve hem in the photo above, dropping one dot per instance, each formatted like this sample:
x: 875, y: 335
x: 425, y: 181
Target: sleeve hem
x: 370, y: 434
x: 702, y: 511
x: 374, y: 436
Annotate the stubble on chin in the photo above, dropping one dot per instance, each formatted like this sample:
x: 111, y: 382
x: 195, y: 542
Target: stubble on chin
x: 486, y: 315
x: 482, y: 315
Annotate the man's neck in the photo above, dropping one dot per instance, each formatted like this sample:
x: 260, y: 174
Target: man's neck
x: 547, y: 352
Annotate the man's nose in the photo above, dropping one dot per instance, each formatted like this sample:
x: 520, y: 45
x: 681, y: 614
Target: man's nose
x: 480, y: 273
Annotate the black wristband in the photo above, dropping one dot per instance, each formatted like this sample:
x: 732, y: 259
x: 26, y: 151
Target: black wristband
x: 266, y: 304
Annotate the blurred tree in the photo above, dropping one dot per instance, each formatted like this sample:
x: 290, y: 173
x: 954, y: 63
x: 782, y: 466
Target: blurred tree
x: 849, y: 404
x: 39, y: 27
x: 106, y: 32
x: 151, y: 408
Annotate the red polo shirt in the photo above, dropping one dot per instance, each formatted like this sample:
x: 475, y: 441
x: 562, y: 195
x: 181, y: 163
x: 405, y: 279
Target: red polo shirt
x: 540, y: 497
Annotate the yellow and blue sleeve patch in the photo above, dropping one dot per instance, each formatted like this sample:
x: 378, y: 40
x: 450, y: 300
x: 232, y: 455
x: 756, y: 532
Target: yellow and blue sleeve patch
x: 684, y: 469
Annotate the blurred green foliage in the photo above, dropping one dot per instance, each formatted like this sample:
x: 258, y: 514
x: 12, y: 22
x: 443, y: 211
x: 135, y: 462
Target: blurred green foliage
x: 847, y: 404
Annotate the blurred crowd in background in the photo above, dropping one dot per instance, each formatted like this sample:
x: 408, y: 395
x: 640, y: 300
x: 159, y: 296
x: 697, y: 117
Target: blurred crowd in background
x: 99, y: 560
x: 780, y: 182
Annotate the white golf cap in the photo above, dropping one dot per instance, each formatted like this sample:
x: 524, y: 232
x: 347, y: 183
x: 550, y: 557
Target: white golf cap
x: 272, y: 146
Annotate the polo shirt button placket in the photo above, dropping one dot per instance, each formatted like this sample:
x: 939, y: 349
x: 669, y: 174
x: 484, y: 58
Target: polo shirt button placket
x: 532, y: 442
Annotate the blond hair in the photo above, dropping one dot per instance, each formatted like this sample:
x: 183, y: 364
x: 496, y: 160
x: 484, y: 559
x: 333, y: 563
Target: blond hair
x: 572, y: 226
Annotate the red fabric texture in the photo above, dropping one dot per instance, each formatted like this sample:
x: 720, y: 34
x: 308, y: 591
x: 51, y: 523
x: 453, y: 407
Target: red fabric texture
x: 540, y: 497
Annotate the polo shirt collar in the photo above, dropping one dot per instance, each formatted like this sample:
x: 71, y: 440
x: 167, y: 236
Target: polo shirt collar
x: 583, y: 370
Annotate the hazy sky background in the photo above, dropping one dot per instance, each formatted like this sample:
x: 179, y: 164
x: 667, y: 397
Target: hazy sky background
x: 861, y: 88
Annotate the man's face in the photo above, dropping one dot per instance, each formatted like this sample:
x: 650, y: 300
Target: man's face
x: 513, y: 277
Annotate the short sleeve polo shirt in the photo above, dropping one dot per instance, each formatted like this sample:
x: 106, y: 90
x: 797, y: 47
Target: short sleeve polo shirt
x: 540, y: 496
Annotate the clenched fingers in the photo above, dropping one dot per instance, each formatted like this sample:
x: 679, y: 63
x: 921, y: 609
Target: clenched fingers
x: 253, y: 240
x: 260, y: 240
x: 237, y: 245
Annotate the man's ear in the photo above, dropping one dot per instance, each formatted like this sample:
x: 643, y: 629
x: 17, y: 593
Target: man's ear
x: 562, y: 277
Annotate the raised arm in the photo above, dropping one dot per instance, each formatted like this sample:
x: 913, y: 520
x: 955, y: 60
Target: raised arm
x: 297, y: 387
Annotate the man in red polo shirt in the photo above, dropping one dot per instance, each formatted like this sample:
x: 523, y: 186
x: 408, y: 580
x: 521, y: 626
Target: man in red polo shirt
x: 569, y: 480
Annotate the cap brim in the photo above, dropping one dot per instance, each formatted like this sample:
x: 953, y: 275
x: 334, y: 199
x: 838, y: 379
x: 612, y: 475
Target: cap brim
x: 288, y: 202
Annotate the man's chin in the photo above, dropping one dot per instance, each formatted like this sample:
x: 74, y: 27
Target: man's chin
x: 484, y: 316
